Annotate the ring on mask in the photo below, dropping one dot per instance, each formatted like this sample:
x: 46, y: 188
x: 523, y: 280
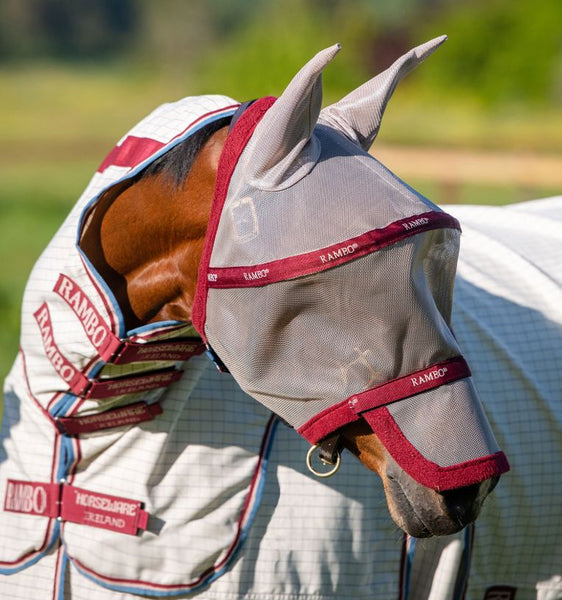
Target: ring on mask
x: 322, y: 474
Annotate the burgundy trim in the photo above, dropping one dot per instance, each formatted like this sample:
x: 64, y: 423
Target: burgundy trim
x: 425, y: 471
x: 58, y: 579
x: 330, y: 256
x: 132, y: 151
x: 233, y: 147
x: 383, y: 425
x: 396, y: 389
x: 327, y: 421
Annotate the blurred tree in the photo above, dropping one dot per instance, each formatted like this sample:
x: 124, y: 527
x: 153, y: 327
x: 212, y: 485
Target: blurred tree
x: 278, y: 37
x: 500, y: 51
x: 65, y: 29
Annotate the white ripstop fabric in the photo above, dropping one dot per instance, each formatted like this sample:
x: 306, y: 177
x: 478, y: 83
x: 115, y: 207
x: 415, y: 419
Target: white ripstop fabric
x: 316, y: 541
x: 507, y: 316
x: 327, y: 283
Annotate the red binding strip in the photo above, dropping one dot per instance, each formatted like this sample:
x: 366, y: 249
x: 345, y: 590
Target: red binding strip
x: 414, y: 383
x: 133, y: 150
x: 330, y: 256
x: 351, y: 409
x: 110, y: 347
x: 75, y: 505
x: 132, y: 414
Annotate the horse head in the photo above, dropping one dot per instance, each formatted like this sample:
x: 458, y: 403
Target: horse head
x: 325, y: 287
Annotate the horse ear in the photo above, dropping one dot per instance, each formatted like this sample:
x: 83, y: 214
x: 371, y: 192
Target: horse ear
x: 358, y: 115
x: 286, y: 128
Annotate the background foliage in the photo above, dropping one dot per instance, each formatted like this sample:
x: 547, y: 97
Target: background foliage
x: 76, y: 74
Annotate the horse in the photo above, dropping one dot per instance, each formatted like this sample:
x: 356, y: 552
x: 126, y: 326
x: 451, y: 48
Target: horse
x: 143, y: 230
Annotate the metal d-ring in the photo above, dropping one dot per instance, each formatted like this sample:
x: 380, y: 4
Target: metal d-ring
x: 322, y: 474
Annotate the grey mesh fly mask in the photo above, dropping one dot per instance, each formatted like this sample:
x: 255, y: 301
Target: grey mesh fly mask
x: 326, y: 283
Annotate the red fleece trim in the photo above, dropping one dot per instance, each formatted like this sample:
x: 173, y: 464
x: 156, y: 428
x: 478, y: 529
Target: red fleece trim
x: 330, y: 256
x: 233, y: 147
x: 425, y: 471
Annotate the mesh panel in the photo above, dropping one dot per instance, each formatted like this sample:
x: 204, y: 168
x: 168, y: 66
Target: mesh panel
x: 303, y: 345
x: 259, y: 226
x: 447, y: 424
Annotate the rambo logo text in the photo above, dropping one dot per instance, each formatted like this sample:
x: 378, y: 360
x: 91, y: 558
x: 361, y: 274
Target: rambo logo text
x: 433, y: 375
x: 95, y: 327
x: 338, y: 253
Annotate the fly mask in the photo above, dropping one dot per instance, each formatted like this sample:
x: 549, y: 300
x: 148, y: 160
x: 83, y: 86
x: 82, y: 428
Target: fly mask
x: 326, y: 283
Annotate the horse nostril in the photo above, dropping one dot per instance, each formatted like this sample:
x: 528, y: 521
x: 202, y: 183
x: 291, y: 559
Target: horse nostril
x: 462, y: 504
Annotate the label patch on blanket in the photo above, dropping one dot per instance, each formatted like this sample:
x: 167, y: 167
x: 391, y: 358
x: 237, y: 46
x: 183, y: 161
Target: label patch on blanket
x: 500, y: 592
x: 75, y: 505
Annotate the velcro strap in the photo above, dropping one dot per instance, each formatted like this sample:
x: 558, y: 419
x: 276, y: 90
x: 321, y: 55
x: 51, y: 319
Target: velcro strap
x: 75, y: 505
x: 132, y: 414
x: 173, y: 350
x: 100, y: 389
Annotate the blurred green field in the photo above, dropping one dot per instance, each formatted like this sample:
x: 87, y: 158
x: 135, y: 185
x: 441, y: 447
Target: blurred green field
x: 59, y: 122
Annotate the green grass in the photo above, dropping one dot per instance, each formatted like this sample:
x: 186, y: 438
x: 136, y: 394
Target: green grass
x: 424, y: 119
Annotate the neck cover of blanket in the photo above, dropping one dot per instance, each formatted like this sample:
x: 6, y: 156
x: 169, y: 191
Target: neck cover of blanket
x: 326, y: 289
x: 74, y: 339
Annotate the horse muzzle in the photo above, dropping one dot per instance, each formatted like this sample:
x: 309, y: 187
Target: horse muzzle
x: 423, y: 512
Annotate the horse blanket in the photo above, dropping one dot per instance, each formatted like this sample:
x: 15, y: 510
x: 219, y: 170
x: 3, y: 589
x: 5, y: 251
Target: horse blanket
x: 78, y: 517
